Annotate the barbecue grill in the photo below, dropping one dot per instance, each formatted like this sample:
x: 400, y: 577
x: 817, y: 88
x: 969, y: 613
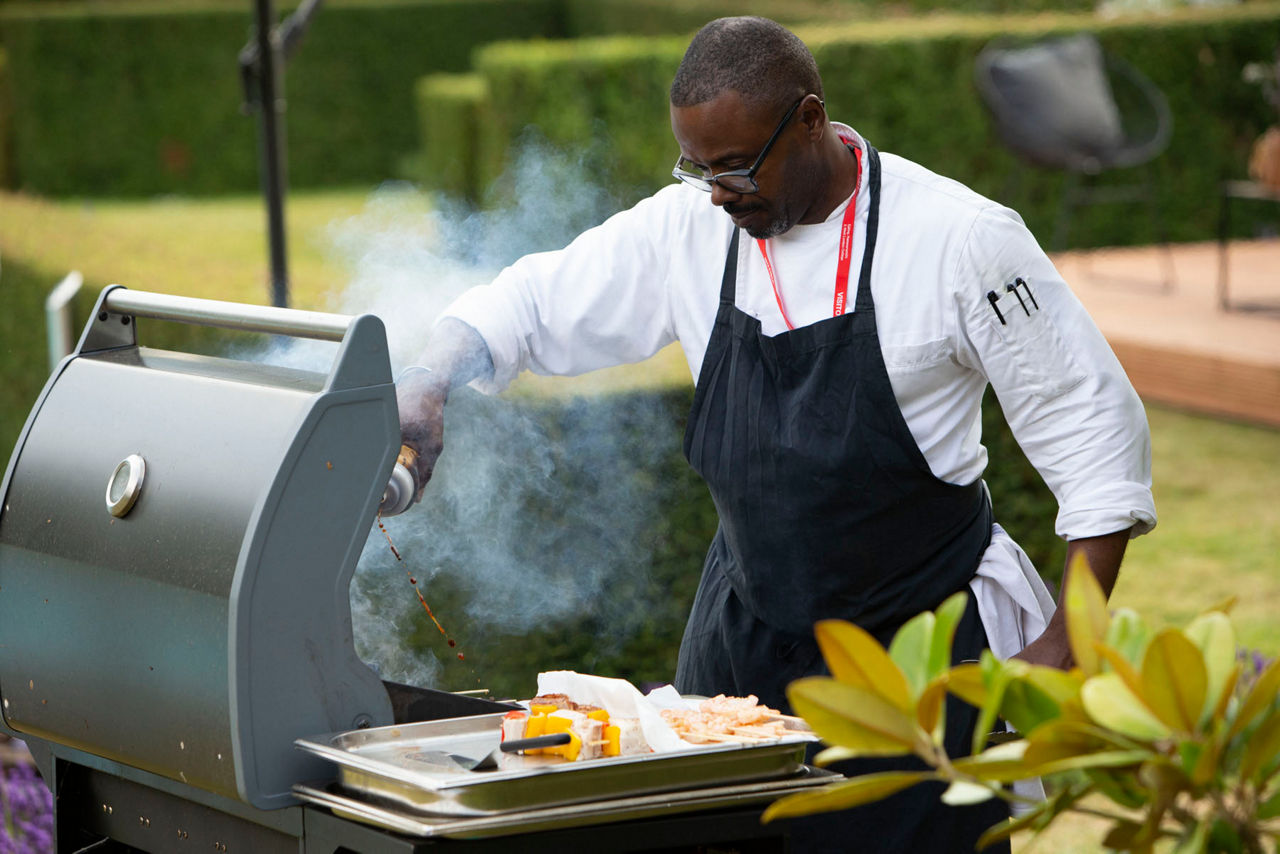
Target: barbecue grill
x: 178, y: 535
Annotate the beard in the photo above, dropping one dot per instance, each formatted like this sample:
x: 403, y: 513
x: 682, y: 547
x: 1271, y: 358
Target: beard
x: 780, y: 223
x: 773, y: 228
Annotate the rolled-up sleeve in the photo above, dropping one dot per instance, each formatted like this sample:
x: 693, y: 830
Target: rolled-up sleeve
x: 1064, y: 394
x: 601, y: 301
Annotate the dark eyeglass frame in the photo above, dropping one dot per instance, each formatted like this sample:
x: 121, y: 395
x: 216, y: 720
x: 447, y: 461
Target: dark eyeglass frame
x: 741, y: 181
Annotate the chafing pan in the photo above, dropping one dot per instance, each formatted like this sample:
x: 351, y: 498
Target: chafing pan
x: 402, y: 764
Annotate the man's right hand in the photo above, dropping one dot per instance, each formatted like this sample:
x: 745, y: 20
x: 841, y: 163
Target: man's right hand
x: 455, y: 355
x: 421, y: 395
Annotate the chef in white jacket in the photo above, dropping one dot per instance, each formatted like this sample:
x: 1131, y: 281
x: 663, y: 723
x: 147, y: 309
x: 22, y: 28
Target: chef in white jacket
x: 841, y: 323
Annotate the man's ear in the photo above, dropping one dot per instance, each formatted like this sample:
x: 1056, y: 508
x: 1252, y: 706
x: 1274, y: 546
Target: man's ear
x: 814, y: 116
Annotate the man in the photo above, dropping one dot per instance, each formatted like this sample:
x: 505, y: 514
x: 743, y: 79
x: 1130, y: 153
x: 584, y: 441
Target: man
x: 836, y: 414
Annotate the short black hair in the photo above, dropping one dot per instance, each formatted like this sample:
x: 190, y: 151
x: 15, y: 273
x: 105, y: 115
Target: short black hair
x: 761, y: 60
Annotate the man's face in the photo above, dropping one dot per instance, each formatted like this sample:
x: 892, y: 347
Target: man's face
x: 724, y: 134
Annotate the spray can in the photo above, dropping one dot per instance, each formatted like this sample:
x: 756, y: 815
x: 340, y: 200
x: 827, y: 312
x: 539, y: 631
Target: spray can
x: 402, y: 488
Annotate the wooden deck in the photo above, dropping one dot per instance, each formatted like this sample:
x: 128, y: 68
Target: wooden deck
x: 1178, y: 345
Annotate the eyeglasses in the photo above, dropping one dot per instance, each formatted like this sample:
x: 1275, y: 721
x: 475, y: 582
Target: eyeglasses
x: 735, y: 180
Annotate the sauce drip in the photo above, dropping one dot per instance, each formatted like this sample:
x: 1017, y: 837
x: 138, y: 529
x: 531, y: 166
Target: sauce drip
x: 413, y: 581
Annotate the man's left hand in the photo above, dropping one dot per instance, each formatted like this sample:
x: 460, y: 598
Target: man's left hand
x: 1102, y: 555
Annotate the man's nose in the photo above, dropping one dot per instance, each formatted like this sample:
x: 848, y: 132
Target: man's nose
x: 721, y: 196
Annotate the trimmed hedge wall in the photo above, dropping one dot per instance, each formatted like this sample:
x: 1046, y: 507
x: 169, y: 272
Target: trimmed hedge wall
x: 133, y: 101
x: 908, y: 87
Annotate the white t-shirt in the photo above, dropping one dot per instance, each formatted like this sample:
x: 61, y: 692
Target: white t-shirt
x: 651, y: 275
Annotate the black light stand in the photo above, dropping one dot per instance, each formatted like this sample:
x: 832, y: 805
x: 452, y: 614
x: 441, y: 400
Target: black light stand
x: 262, y: 63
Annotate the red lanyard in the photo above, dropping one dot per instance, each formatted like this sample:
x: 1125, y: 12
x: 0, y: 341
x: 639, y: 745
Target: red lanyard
x: 840, y: 303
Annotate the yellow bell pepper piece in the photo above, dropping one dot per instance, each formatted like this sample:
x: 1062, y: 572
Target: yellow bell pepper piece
x: 599, y: 715
x: 612, y: 740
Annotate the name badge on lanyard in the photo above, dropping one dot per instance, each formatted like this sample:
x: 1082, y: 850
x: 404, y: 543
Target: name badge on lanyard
x: 840, y: 303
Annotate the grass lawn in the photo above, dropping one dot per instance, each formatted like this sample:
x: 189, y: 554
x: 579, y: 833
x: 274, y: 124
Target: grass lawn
x: 213, y: 248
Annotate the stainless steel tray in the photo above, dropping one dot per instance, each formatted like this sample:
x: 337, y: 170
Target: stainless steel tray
x: 390, y: 817
x: 403, y: 764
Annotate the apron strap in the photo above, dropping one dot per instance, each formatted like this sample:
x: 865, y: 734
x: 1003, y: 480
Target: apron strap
x: 863, y: 301
x: 729, y: 282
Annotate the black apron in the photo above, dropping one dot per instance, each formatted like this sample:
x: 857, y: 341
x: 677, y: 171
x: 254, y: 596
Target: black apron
x: 828, y: 509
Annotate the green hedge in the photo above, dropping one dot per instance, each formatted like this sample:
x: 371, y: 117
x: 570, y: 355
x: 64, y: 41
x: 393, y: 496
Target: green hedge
x: 140, y: 101
x: 908, y: 87
x: 6, y: 120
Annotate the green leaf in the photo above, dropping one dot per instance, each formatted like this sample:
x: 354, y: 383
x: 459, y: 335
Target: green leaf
x: 1039, y: 818
x: 1213, y: 636
x: 1174, y: 681
x: 909, y: 649
x: 857, y: 658
x: 851, y: 793
x: 1111, y: 704
x: 1026, y: 706
x: 1223, y: 838
x: 853, y: 717
x: 929, y: 709
x: 1224, y: 606
x: 1128, y: 635
x: 1122, y: 834
x: 831, y: 755
x: 1126, y: 671
x: 1102, y: 759
x: 1207, y: 763
x: 966, y: 682
x: 1263, y: 747
x: 1195, y: 840
x: 1118, y: 786
x: 1003, y: 763
x: 1087, y: 617
x: 1002, y: 831
x: 1061, y: 685
x: 1270, y: 808
x: 946, y: 618
x: 1260, y: 696
x: 963, y: 794
x: 995, y: 677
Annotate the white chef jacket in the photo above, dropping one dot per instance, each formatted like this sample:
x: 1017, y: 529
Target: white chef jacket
x: 651, y: 275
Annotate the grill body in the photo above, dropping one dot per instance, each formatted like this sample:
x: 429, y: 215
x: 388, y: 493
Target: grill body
x: 196, y: 636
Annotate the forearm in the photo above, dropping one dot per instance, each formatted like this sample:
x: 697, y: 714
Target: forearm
x: 456, y: 354
x: 1103, y: 555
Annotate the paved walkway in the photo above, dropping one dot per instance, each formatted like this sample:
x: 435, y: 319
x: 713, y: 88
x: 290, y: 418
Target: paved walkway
x: 1177, y: 344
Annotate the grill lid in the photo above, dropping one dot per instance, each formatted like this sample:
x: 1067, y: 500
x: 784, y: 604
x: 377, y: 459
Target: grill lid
x: 197, y: 620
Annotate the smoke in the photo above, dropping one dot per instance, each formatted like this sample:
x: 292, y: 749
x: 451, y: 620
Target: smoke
x: 533, y: 515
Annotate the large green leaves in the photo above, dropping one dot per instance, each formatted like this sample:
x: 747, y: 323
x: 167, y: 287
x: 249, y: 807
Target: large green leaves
x: 841, y: 796
x: 1110, y: 702
x: 922, y: 647
x: 1174, y: 680
x: 853, y: 717
x: 1213, y: 636
x: 856, y: 658
x: 1087, y: 616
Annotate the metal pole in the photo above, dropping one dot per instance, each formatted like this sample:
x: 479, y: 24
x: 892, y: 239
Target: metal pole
x: 271, y: 102
x: 57, y: 312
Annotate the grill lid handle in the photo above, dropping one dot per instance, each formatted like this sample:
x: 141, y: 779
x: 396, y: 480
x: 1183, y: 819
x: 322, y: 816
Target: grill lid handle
x: 229, y: 315
x: 362, y: 358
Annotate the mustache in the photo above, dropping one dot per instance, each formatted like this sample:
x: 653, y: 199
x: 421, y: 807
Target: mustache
x: 739, y: 210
